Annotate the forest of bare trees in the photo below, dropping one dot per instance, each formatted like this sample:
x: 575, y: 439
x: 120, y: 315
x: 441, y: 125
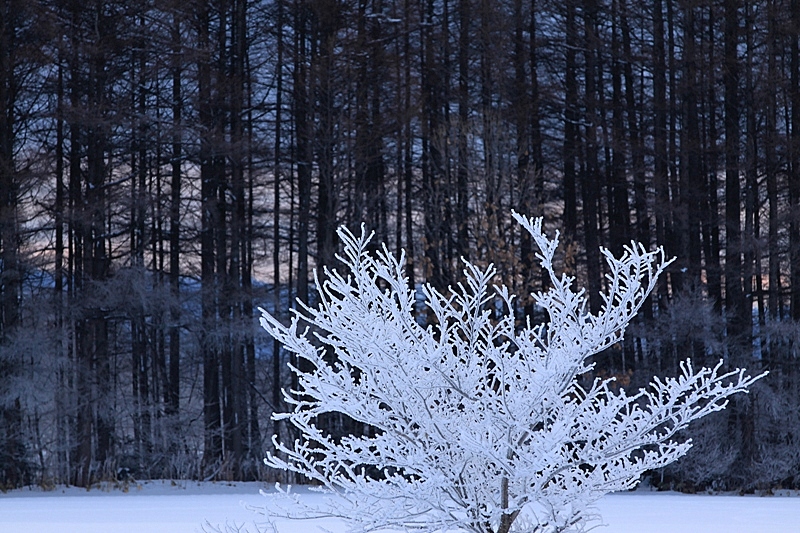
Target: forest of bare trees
x: 167, y: 166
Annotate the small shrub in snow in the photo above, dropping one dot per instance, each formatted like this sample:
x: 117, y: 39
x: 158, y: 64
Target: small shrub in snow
x: 474, y: 423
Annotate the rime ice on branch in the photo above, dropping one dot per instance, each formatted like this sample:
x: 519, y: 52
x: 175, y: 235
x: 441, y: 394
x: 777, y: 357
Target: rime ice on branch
x: 475, y: 423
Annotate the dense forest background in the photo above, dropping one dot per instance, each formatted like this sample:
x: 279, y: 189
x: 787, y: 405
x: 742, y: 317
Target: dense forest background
x: 166, y: 166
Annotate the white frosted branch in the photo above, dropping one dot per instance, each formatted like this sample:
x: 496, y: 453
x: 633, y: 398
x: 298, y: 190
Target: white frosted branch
x: 474, y: 419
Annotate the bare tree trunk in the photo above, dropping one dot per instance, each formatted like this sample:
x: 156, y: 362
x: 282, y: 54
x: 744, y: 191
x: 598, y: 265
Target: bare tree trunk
x: 139, y: 344
x: 751, y: 271
x: 277, y: 305
x: 537, y: 155
x: 526, y: 171
x: 431, y: 157
x: 83, y: 422
x: 571, y: 131
x: 463, y: 164
x: 10, y: 272
x: 590, y: 189
x: 212, y: 451
x: 643, y: 233
x: 326, y: 18
x: 238, y: 391
x: 687, y: 224
x: 303, y: 138
x: 408, y: 172
x: 254, y: 443
x: 775, y: 301
x: 97, y: 349
x: 710, y: 203
x: 737, y: 312
x: 61, y: 397
x: 173, y: 404
x: 13, y: 468
x: 618, y: 201
x: 794, y: 169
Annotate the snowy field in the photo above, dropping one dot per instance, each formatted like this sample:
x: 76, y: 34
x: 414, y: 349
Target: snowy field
x: 162, y: 508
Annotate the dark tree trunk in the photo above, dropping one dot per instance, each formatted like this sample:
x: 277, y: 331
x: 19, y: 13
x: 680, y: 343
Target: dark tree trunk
x: 303, y: 143
x: 277, y: 367
x: 643, y: 232
x: 794, y: 168
x: 83, y: 421
x: 408, y: 171
x: 237, y: 393
x: 10, y: 271
x: 687, y: 224
x: 431, y: 157
x: 710, y: 203
x: 771, y: 168
x: 325, y: 25
x: 737, y: 313
x: 662, y: 202
x: 590, y: 179
x: 210, y: 215
x: 571, y: 132
x: 526, y: 171
x: 462, y: 172
x: 13, y: 469
x: 173, y: 402
x: 618, y: 202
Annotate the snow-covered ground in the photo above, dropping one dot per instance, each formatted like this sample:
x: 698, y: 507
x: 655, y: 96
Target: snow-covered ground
x: 160, y: 507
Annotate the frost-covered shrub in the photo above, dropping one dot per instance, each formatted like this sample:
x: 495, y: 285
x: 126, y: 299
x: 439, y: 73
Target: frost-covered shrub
x: 475, y: 423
